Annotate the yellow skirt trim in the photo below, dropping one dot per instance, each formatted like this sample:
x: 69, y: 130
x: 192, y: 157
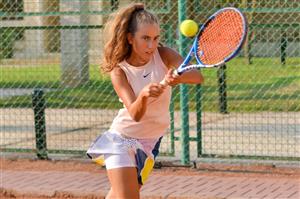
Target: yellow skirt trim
x: 148, y: 166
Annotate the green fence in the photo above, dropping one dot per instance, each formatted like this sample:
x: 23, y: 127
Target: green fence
x: 55, y: 100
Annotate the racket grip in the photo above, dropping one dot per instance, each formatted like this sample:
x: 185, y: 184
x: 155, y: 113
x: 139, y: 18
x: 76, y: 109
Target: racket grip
x: 164, y: 82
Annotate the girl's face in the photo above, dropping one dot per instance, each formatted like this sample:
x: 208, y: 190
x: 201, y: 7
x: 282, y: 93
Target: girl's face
x: 144, y: 42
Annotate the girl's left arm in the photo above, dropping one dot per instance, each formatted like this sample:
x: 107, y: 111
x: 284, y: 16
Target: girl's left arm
x: 172, y: 60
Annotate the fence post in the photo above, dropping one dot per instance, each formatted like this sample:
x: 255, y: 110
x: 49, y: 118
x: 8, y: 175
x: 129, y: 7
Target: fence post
x: 222, y: 89
x: 172, y: 124
x: 248, y: 45
x: 38, y: 103
x: 184, y: 109
x: 199, y: 119
x: 283, y: 45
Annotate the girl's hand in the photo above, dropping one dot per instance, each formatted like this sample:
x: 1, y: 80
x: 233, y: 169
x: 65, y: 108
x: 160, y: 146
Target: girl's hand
x: 152, y: 90
x: 171, y: 78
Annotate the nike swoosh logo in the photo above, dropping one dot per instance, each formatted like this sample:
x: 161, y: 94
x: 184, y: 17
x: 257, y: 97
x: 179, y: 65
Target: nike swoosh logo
x: 146, y: 75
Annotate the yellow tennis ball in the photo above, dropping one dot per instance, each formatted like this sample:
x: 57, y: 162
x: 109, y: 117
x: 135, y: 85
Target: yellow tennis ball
x: 189, y: 28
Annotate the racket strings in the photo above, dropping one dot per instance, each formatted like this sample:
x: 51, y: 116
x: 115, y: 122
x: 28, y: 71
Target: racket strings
x: 221, y: 37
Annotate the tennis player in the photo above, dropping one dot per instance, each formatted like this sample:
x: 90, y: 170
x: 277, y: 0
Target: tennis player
x: 136, y: 62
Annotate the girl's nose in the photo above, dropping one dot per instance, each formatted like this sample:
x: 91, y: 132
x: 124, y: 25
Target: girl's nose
x: 150, y: 44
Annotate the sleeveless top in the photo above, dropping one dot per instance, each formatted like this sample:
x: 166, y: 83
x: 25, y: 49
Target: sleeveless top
x: 155, y: 121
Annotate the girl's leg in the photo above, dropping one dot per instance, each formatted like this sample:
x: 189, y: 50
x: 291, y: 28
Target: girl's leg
x: 124, y: 183
x: 109, y: 194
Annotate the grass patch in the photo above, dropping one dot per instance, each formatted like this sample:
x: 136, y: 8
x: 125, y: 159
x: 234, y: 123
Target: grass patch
x: 265, y: 85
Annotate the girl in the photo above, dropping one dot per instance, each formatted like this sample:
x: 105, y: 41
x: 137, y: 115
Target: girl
x: 136, y: 63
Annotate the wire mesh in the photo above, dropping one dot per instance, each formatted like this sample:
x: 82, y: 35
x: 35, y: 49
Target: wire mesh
x: 248, y: 108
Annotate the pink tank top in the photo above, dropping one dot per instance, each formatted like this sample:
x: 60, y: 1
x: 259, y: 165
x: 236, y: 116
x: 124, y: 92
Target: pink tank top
x: 156, y: 120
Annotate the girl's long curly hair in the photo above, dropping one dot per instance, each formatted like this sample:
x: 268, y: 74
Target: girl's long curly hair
x: 121, y: 23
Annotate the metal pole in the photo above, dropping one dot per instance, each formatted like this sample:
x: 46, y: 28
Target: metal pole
x: 222, y: 89
x: 185, y: 155
x: 199, y: 119
x: 38, y: 103
x: 172, y: 124
x: 283, y: 45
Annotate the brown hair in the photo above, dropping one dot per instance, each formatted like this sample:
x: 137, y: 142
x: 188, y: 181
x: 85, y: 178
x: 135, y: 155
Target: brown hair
x: 123, y: 21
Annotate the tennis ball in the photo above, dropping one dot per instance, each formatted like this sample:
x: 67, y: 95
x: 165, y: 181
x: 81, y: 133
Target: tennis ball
x: 188, y: 28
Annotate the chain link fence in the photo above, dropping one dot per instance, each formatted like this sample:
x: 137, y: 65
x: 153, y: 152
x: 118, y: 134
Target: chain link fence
x: 53, y: 98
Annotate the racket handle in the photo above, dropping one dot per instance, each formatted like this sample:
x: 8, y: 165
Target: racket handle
x: 164, y: 82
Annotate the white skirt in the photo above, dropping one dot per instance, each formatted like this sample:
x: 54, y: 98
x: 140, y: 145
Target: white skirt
x: 115, y: 151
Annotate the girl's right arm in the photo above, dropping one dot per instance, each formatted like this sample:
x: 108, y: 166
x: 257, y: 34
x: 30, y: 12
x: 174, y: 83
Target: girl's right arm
x: 136, y: 106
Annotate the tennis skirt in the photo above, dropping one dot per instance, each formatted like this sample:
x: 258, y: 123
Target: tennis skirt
x: 116, y: 151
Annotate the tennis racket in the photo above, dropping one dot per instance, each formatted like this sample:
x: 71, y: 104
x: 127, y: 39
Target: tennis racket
x: 219, y: 40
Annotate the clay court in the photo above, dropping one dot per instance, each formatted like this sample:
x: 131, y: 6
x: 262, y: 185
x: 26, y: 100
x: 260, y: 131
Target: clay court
x: 30, y: 178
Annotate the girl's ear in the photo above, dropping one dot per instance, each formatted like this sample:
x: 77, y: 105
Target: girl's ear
x: 129, y: 38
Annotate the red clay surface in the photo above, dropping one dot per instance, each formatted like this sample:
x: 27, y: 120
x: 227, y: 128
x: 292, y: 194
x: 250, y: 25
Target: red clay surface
x: 207, y: 181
